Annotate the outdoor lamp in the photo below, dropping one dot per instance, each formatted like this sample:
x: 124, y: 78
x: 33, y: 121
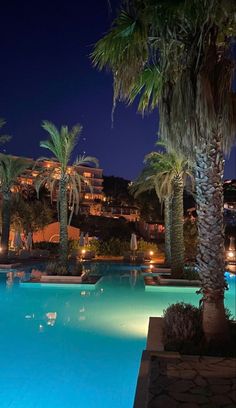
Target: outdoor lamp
x: 231, y: 253
x: 83, y: 251
x: 151, y: 253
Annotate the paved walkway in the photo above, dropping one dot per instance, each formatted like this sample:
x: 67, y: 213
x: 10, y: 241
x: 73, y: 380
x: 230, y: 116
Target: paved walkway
x: 192, y: 382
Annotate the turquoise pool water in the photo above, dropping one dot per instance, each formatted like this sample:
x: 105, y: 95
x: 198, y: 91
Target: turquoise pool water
x: 65, y: 347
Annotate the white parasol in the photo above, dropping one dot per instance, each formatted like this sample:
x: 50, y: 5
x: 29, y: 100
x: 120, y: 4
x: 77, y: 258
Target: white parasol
x: 86, y: 239
x: 17, y: 242
x: 133, y: 243
x: 81, y: 239
x: 29, y: 242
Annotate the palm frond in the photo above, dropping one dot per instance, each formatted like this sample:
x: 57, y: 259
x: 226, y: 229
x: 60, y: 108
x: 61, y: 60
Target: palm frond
x: 10, y: 169
x: 61, y: 143
x: 175, y: 55
x: 4, y: 138
x: 83, y: 160
x: 148, y: 88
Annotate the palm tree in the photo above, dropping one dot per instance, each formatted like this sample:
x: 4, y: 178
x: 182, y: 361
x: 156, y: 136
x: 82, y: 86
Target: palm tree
x: 10, y: 169
x: 25, y: 214
x: 178, y: 54
x: 168, y: 173
x: 63, y: 177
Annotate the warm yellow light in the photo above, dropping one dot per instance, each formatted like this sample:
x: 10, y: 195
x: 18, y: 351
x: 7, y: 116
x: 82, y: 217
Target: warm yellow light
x: 230, y: 254
x: 0, y: 249
x: 83, y: 251
x: 151, y: 253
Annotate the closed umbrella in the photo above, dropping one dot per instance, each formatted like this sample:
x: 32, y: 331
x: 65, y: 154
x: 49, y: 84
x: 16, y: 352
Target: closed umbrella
x: 133, y: 243
x: 86, y: 239
x: 17, y: 242
x: 29, y: 241
x: 81, y: 239
x: 232, y: 244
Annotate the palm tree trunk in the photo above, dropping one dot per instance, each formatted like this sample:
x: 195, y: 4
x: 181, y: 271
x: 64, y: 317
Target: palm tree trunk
x: 167, y: 217
x: 63, y: 218
x: 210, y: 257
x: 6, y: 220
x: 177, y: 228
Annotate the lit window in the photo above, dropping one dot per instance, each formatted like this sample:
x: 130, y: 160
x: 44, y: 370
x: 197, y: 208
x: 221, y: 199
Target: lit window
x: 87, y: 174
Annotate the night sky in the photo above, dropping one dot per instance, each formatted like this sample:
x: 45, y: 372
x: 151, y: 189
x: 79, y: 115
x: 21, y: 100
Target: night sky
x: 46, y: 73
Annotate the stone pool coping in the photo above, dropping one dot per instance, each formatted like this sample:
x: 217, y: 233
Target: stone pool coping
x: 89, y: 283
x: 60, y: 279
x: 10, y: 265
x: 157, y: 280
x: 169, y: 379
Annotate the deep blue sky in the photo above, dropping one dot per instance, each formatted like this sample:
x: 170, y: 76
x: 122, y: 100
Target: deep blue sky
x: 46, y: 73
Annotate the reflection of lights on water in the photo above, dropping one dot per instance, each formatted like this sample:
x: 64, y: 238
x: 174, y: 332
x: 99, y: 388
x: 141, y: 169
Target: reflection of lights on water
x: 51, y: 322
x: 41, y: 328
x: 82, y: 318
x: 29, y: 316
x: 82, y: 309
x: 85, y: 293
x: 51, y: 318
x: 51, y: 315
x: 101, y: 290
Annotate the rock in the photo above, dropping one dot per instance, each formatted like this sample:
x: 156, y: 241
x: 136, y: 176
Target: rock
x: 232, y: 395
x: 180, y: 386
x: 202, y: 391
x: 220, y: 389
x: 188, y: 374
x: 220, y: 400
x: 189, y: 405
x: 200, y: 381
x: 182, y: 397
x: 163, y: 401
x: 223, y: 381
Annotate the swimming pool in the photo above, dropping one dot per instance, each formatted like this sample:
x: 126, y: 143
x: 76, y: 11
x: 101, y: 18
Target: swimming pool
x: 64, y: 347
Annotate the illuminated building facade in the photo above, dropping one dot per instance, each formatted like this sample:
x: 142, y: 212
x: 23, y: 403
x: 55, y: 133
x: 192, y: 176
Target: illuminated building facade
x: 91, y: 197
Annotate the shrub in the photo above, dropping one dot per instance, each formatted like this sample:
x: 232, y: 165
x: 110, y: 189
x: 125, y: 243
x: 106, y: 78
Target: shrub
x: 182, y: 323
x: 190, y: 273
x: 73, y: 245
x: 94, y: 245
x: 113, y: 246
x: 118, y: 247
x: 144, y: 246
x: 50, y: 246
x: 76, y: 269
x: 53, y: 268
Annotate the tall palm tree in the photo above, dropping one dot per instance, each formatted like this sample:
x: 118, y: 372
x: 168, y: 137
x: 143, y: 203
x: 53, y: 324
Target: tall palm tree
x: 10, y: 169
x: 178, y: 54
x: 168, y: 173
x: 63, y: 178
